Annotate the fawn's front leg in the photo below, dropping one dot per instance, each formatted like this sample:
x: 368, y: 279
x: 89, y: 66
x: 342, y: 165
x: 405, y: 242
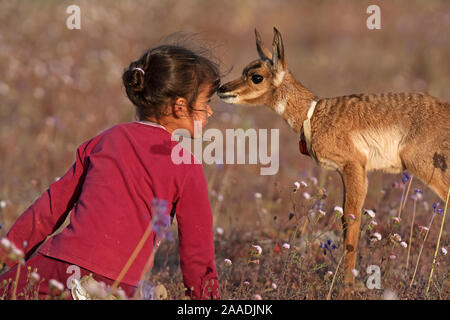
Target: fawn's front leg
x: 355, y: 188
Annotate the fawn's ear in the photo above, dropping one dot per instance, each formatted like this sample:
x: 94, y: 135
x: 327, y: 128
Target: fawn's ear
x: 279, y: 61
x: 264, y: 54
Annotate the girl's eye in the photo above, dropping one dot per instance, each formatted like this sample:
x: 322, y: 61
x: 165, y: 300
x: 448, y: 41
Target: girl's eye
x: 256, y: 78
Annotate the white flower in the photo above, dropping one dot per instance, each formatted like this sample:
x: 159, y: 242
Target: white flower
x: 404, y: 244
x: 2, y: 204
x: 352, y: 216
x: 339, y: 209
x: 257, y: 248
x: 286, y: 246
x: 220, y: 198
x: 329, y: 273
x: 246, y: 283
x: 258, y: 195
x: 393, y: 257
x: 304, y: 184
x: 56, y: 284
x: 297, y: 185
x: 397, y: 237
x: 314, y: 180
x: 370, y: 213
x: 274, y: 285
x: 306, y: 195
x: 355, y: 272
x: 219, y: 230
x: 257, y: 297
x: 322, y: 213
x: 34, y: 276
x: 373, y: 223
x: 377, y: 236
x: 389, y: 295
x: 444, y: 251
x: 397, y: 219
x: 227, y: 262
x: 6, y: 244
x: 423, y: 228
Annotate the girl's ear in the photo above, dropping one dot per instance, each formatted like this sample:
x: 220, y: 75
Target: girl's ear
x: 180, y: 108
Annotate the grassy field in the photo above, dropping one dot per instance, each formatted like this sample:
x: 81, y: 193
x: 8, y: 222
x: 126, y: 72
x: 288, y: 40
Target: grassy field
x: 59, y: 87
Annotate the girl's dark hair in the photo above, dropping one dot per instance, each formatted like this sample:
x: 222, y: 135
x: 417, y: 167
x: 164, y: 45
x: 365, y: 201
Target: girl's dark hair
x: 169, y: 72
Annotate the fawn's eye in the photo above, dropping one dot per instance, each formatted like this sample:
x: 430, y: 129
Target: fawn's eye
x: 256, y: 78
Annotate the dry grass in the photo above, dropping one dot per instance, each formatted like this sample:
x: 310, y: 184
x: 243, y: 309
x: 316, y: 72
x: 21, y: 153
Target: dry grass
x: 59, y: 87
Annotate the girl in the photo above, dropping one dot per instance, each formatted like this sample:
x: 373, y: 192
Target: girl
x: 116, y: 178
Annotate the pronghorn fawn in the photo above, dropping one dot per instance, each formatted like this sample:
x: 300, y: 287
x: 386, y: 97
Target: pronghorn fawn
x: 352, y: 134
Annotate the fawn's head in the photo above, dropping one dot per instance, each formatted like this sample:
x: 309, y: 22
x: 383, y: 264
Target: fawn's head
x: 260, y: 77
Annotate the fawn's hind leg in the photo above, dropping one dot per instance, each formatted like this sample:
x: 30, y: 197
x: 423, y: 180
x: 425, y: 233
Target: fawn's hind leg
x: 355, y: 188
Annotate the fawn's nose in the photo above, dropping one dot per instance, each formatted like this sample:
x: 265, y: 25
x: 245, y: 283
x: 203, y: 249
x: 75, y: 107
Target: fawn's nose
x: 222, y: 89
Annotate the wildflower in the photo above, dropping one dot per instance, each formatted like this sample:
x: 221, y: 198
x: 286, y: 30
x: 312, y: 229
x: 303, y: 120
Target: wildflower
x: 423, y: 228
x: 219, y: 230
x: 5, y: 243
x: 355, y: 272
x: 404, y: 244
x: 257, y: 297
x: 220, y: 198
x: 2, y: 204
x: 306, y: 195
x: 389, y: 294
x: 436, y: 209
x: 286, y: 246
x: 373, y: 223
x: 417, y: 194
x: 352, y: 216
x: 377, y: 236
x: 227, y: 262
x: 291, y: 215
x: 392, y: 257
x: 339, y: 211
x: 444, y: 251
x: 397, y: 219
x: 405, y: 177
x: 34, y: 277
x: 330, y: 273
x: 322, y: 213
x: 56, y: 285
x: 258, y: 195
x: 435, y: 205
x: 274, y: 286
x: 397, y: 237
x: 370, y: 213
x: 296, y: 186
x: 161, y: 220
x: 313, y: 180
x: 246, y: 283
x: 257, y: 248
x: 328, y: 246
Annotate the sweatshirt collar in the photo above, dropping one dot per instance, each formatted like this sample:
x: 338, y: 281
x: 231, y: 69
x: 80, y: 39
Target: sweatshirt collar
x: 153, y: 124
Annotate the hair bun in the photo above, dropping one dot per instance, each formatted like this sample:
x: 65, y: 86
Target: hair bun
x: 133, y: 79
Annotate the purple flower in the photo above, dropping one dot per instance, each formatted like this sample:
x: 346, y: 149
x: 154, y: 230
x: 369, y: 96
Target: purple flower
x: 160, y: 218
x: 405, y: 177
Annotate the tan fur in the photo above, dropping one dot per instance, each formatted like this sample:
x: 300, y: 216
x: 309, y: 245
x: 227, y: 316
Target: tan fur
x: 353, y: 134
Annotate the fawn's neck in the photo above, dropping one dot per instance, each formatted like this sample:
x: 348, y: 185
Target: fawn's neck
x: 292, y: 100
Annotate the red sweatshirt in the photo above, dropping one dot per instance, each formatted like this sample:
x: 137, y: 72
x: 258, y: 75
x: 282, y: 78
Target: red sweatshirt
x: 110, y: 187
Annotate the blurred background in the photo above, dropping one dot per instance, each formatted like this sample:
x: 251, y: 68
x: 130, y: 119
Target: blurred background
x: 60, y: 87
